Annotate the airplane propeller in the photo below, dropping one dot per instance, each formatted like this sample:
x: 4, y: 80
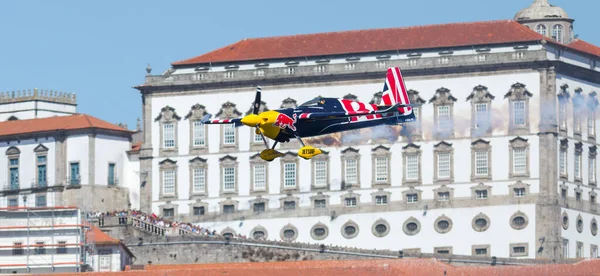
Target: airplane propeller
x: 253, y: 120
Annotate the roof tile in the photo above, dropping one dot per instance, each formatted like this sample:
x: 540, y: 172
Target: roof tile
x: 373, y: 40
x: 56, y: 123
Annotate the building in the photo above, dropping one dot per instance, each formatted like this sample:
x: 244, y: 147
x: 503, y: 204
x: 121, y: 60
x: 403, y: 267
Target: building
x: 105, y: 253
x: 38, y: 103
x: 56, y: 157
x: 501, y: 161
x: 40, y: 240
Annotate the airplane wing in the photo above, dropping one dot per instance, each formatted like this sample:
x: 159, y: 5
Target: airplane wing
x: 342, y: 114
x: 206, y: 120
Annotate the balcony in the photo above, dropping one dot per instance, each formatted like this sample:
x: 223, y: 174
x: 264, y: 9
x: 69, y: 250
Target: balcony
x: 112, y: 181
x: 40, y: 184
x: 74, y: 181
x: 10, y: 188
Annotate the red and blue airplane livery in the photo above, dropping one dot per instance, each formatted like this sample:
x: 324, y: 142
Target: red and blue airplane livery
x: 322, y: 116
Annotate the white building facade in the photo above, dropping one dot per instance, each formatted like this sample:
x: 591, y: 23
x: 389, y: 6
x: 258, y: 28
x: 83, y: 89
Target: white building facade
x: 481, y: 172
x: 40, y: 240
x: 72, y: 160
x: 36, y: 103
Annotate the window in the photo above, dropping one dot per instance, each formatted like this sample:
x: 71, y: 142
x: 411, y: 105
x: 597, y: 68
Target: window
x: 579, y: 253
x: 228, y: 179
x: 381, y: 200
x: 320, y: 69
x: 412, y: 198
x: 481, y: 194
x: 577, y: 165
x: 198, y: 134
x: 563, y: 162
x: 289, y: 205
x: 350, y: 67
x: 412, y: 167
x: 557, y: 33
x: 591, y: 122
x: 519, y: 161
x: 320, y: 203
x: 260, y: 176
x: 289, y: 171
x: 199, y: 211
x: 229, y: 75
x: 75, y: 177
x: 228, y: 209
x: 562, y: 114
x: 259, y: 207
x: 13, y: 202
x: 257, y: 138
x: 480, y: 251
x: 565, y: 248
x: 40, y: 201
x: 111, y: 174
x: 168, y: 212
x: 39, y: 249
x: 381, y: 169
x: 62, y: 247
x: 350, y: 201
x: 519, y: 113
x: 351, y: 171
x: 14, y: 173
x: 41, y: 171
x: 594, y: 249
x: 199, y: 180
x: 443, y: 196
x: 519, y: 192
x: 320, y: 173
x: 541, y: 29
x: 290, y: 70
x: 17, y: 249
x: 481, y: 116
x: 444, y: 119
x: 481, y: 163
x: 228, y: 134
x: 592, y: 170
x: 443, y: 165
x: 168, y: 135
x: 169, y: 182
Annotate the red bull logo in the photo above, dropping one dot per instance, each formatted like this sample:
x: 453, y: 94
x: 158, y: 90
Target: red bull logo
x: 282, y: 121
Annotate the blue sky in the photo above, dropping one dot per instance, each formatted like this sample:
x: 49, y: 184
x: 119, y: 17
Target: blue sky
x: 100, y: 49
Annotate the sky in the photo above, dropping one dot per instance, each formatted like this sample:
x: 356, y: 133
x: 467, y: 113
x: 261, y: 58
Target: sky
x: 100, y: 49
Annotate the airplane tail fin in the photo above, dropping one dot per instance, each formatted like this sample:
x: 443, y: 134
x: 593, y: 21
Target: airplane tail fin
x: 394, y: 91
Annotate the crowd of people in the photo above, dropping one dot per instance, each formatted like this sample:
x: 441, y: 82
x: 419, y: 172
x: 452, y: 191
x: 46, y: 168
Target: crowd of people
x: 156, y: 220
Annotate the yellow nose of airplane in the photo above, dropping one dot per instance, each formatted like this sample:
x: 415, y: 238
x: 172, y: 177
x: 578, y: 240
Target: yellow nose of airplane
x: 251, y: 120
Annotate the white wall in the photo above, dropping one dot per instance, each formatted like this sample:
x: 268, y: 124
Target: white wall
x: 110, y: 149
x: 461, y: 237
x: 27, y: 162
x: 460, y: 88
x: 585, y: 236
x: 78, y: 151
x: 27, y: 110
x: 131, y: 179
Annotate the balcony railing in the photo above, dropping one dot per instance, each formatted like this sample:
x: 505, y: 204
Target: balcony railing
x: 74, y: 181
x: 113, y: 181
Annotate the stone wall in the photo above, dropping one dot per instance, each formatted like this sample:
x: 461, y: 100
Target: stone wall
x: 97, y: 198
x: 152, y: 249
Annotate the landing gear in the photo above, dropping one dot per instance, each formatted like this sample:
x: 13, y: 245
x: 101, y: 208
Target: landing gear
x: 307, y: 152
x: 270, y: 153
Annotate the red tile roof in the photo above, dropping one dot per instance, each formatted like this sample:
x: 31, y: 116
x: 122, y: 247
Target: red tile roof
x: 57, y: 123
x: 136, y: 147
x: 583, y: 46
x: 382, y: 267
x: 379, y: 40
x: 374, y: 40
x: 96, y: 236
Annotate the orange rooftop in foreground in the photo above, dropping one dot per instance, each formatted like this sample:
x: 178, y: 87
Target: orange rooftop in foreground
x: 379, y: 267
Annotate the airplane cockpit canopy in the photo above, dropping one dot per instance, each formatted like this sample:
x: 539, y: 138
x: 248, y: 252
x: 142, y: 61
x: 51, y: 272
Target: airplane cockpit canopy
x: 316, y: 102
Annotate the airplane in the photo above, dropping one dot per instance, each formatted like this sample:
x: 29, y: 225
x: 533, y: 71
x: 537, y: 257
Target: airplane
x: 322, y: 115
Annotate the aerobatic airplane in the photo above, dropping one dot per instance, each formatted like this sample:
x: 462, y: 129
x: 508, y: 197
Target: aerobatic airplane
x: 322, y: 116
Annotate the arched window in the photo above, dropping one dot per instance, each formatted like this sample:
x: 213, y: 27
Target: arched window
x: 541, y: 29
x: 557, y: 33
x: 12, y: 118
